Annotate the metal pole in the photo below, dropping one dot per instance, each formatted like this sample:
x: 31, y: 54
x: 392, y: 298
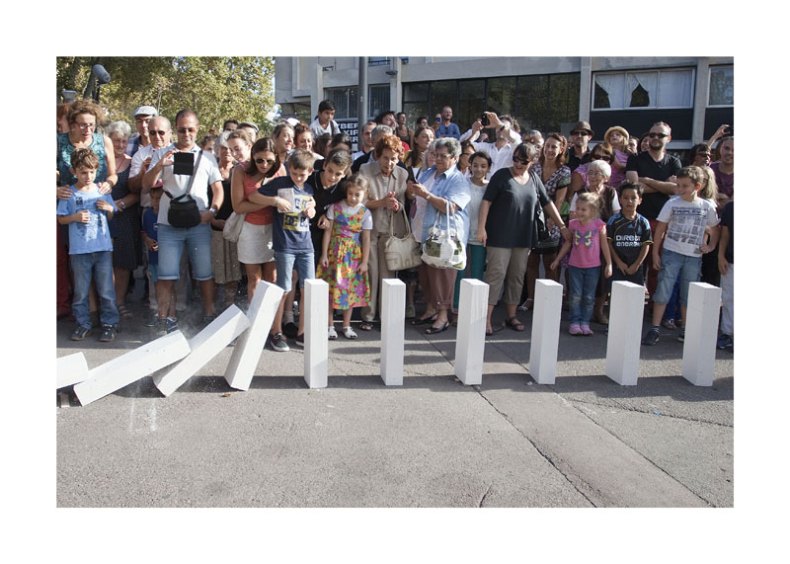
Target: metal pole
x: 362, y: 97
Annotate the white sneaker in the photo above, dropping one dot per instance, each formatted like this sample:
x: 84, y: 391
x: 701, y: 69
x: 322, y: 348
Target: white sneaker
x: 349, y: 333
x: 332, y: 334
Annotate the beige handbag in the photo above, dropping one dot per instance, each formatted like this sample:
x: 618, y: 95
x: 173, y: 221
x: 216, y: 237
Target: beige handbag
x: 402, y: 253
x: 233, y: 226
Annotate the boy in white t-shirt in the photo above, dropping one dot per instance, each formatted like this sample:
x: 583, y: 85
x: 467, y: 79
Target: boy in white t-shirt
x: 682, y: 228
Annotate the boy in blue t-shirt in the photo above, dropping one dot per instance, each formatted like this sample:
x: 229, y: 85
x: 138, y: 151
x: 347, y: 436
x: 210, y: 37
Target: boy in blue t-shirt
x: 292, y: 243
x: 87, y: 213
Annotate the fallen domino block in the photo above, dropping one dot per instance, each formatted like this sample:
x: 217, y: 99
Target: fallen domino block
x: 316, y: 345
x: 545, y: 331
x: 132, y: 366
x: 702, y: 327
x: 205, y: 345
x: 393, y: 314
x: 250, y: 345
x: 625, y: 332
x: 72, y: 369
x: 471, y: 342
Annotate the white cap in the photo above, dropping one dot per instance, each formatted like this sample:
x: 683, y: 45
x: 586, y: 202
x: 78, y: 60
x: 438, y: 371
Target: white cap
x: 146, y: 111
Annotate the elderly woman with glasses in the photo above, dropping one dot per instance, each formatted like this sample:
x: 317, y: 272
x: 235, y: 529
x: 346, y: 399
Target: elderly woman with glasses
x: 441, y: 189
x: 506, y: 226
x: 601, y: 152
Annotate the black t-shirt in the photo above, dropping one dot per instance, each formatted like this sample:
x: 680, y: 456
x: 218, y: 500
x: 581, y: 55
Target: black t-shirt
x: 323, y: 199
x: 574, y: 161
x: 646, y: 167
x: 727, y: 217
x: 511, y: 217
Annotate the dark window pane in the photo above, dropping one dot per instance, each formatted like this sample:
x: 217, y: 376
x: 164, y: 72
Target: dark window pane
x: 443, y: 94
x: 721, y: 86
x: 639, y: 98
x: 416, y: 92
x: 471, y: 102
x: 601, y: 98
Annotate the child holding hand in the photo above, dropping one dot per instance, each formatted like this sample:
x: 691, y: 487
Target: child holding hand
x: 344, y: 254
x: 587, y: 243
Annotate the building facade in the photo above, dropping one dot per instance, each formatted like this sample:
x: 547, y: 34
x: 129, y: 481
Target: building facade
x: 693, y: 94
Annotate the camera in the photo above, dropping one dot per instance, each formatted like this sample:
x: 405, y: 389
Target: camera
x: 484, y: 119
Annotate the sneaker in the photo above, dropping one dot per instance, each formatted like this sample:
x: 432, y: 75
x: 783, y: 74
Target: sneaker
x: 107, y: 334
x: 682, y: 336
x: 349, y: 333
x: 332, y: 334
x: 80, y: 333
x: 651, y: 337
x: 586, y: 331
x: 151, y: 319
x: 299, y: 340
x: 166, y: 326
x: 669, y: 324
x: 277, y: 342
x: 575, y: 329
x: 724, y: 342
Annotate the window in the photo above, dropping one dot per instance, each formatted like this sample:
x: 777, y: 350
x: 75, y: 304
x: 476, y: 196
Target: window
x: 345, y: 100
x: 378, y: 61
x: 379, y: 99
x: 721, y: 86
x: 648, y: 89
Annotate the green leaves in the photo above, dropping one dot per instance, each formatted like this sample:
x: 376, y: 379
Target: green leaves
x: 216, y: 88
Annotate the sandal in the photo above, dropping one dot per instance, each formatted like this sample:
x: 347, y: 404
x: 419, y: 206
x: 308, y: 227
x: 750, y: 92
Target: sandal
x: 515, y: 324
x: 123, y: 311
x: 425, y: 321
x: 365, y: 326
x: 434, y: 330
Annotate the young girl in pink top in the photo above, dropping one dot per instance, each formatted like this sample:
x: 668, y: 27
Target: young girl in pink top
x: 617, y: 138
x: 587, y: 243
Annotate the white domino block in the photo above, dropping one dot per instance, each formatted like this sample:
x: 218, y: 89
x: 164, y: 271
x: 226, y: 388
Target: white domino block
x: 702, y: 327
x: 625, y: 332
x: 205, y: 345
x: 316, y: 344
x: 250, y: 345
x: 393, y: 319
x: 132, y: 366
x: 545, y: 331
x: 471, y: 341
x: 72, y: 369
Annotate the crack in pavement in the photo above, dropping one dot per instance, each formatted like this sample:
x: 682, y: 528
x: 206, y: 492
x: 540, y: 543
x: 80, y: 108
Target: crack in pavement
x: 540, y: 451
x: 658, y: 413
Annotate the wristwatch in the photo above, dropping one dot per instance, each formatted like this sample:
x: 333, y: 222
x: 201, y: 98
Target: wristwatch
x: 213, y: 210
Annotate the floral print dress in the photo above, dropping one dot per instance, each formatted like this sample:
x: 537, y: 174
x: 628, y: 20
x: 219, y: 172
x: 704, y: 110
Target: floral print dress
x: 348, y: 288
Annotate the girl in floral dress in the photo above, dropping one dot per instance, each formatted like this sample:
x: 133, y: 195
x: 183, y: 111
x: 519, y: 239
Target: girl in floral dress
x: 344, y: 254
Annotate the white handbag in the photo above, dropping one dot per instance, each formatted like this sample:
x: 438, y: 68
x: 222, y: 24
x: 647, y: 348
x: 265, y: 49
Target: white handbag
x: 402, y: 253
x: 233, y: 225
x: 443, y: 248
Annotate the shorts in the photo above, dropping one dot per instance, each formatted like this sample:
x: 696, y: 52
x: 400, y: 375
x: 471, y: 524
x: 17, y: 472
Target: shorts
x: 171, y: 246
x: 301, y: 262
x: 255, y: 244
x: 674, y: 265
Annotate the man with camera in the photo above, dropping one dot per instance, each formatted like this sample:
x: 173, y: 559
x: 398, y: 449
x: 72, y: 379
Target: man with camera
x: 184, y: 215
x: 501, y: 150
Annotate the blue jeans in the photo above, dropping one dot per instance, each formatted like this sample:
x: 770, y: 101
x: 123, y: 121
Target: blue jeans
x: 674, y: 265
x: 583, y: 282
x: 302, y: 262
x: 171, y: 244
x: 96, y: 266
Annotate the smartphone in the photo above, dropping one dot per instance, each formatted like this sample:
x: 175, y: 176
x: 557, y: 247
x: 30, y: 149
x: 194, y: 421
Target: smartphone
x: 183, y: 163
x: 484, y: 120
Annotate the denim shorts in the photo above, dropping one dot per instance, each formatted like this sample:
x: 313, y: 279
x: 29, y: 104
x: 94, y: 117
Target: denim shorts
x: 673, y: 265
x: 171, y: 245
x: 286, y: 262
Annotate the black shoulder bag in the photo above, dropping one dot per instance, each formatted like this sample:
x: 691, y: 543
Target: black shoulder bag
x: 184, y: 210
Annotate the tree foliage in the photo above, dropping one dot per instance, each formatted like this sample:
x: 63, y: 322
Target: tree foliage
x: 216, y: 88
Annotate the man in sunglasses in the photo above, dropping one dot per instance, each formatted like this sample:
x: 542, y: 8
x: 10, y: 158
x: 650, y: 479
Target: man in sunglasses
x: 579, y: 150
x: 655, y: 170
x: 142, y: 116
x: 190, y: 177
x: 159, y: 133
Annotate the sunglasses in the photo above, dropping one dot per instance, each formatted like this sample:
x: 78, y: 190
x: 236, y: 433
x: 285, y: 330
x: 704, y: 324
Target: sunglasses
x: 155, y: 132
x: 269, y: 162
x: 580, y: 133
x: 520, y: 161
x: 657, y: 135
x: 606, y: 158
x: 183, y: 130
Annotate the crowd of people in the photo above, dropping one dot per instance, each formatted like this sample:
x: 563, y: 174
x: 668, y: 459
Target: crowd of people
x: 492, y: 203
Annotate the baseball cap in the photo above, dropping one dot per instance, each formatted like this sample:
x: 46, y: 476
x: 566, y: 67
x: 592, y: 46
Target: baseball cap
x: 145, y: 111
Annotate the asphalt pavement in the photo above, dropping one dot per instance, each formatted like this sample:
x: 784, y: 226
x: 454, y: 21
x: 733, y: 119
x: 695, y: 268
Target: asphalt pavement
x: 433, y: 442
